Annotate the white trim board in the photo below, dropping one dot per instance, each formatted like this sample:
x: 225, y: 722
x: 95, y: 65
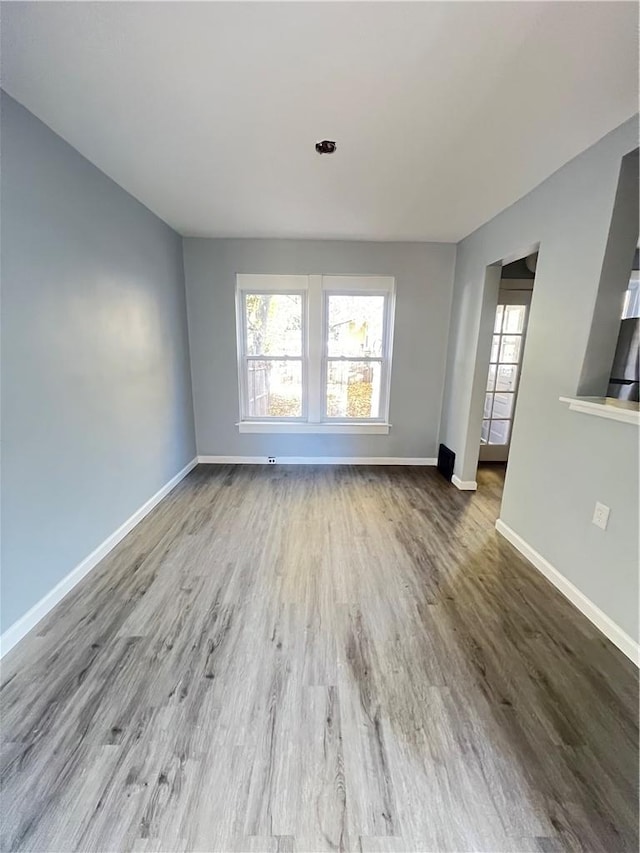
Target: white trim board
x: 264, y: 427
x: 17, y: 631
x: 317, y: 460
x: 464, y: 485
x: 625, y: 411
x: 593, y: 613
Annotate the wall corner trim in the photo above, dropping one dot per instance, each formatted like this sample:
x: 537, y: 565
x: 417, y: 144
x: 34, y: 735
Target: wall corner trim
x: 604, y: 623
x: 19, y: 629
x: 464, y: 485
x: 318, y: 460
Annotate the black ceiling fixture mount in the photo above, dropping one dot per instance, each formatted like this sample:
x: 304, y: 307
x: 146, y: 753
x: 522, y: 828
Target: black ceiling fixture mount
x: 325, y: 147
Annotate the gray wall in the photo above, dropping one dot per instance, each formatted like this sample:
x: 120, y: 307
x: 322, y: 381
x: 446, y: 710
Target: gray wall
x: 560, y: 462
x: 96, y: 393
x: 424, y: 281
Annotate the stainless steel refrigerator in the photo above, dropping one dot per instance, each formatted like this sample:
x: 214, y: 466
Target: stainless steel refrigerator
x: 624, y: 383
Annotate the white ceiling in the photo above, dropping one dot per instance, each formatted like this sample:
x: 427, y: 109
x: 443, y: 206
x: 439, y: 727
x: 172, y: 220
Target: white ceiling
x: 444, y: 113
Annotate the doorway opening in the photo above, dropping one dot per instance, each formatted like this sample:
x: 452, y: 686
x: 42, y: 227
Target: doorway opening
x: 505, y: 365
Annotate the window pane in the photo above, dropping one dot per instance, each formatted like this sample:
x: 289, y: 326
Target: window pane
x: 488, y: 400
x: 502, y: 405
x: 353, y: 389
x: 494, y: 348
x: 355, y: 325
x: 274, y: 389
x: 499, y: 313
x: 507, y: 376
x: 491, y: 379
x: 274, y: 323
x: 510, y: 348
x: 484, y: 437
x: 514, y: 318
x: 499, y: 433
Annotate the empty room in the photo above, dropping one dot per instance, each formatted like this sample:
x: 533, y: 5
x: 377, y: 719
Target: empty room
x: 320, y: 448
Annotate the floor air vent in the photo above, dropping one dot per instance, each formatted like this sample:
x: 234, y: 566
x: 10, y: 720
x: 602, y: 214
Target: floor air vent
x: 446, y: 460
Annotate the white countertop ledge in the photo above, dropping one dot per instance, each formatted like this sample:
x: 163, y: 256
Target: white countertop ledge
x: 324, y: 428
x: 605, y: 407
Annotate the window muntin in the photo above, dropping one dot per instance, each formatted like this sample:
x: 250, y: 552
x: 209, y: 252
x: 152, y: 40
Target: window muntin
x: 316, y: 354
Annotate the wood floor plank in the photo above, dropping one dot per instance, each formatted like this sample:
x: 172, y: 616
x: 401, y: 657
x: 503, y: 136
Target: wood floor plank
x: 318, y: 658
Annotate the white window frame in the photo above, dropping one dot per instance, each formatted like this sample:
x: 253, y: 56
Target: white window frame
x: 315, y: 291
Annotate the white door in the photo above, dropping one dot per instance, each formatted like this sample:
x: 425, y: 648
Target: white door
x: 507, y: 349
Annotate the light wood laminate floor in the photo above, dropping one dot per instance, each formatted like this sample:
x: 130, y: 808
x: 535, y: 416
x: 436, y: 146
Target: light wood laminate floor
x: 318, y: 658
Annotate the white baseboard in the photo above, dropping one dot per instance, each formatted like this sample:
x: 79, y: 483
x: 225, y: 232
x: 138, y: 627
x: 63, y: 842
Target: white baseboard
x: 317, y: 460
x: 464, y: 485
x: 17, y: 631
x: 600, y: 619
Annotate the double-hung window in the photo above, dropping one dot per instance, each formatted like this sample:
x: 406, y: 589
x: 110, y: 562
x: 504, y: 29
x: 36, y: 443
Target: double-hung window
x: 314, y: 352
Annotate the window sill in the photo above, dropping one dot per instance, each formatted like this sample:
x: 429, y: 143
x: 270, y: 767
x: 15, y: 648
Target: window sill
x: 605, y: 407
x: 324, y: 429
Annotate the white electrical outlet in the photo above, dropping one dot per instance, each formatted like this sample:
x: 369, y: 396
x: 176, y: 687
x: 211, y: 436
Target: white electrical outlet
x: 601, y: 516
x: 271, y: 460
